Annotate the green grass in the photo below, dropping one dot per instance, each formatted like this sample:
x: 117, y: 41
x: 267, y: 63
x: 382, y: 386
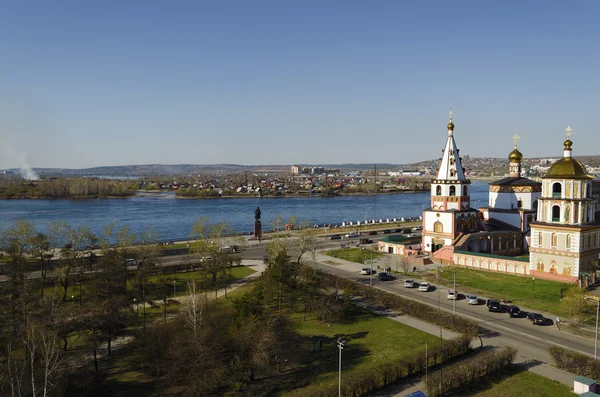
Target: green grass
x: 514, y: 381
x: 371, y: 340
x: 517, y: 289
x: 354, y: 254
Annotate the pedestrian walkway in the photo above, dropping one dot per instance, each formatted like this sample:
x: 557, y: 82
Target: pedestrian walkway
x: 418, y: 383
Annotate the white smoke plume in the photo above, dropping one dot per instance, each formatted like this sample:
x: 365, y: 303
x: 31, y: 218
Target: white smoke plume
x: 19, y: 158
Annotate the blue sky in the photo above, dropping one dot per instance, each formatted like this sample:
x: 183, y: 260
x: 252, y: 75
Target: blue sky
x: 90, y: 83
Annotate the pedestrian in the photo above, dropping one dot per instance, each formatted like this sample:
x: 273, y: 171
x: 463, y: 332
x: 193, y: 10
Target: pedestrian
x: 414, y: 269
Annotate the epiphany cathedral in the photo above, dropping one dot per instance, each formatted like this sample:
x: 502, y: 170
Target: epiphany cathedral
x: 554, y: 221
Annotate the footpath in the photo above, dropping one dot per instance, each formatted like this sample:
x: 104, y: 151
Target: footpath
x: 418, y: 383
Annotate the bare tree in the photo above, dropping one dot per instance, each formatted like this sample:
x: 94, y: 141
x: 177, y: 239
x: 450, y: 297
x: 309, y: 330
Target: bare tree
x: 193, y: 308
x: 46, y: 246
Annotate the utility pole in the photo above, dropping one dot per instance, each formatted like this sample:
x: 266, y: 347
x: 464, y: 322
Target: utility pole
x: 376, y: 189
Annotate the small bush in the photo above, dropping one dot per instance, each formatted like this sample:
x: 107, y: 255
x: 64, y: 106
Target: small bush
x: 575, y: 362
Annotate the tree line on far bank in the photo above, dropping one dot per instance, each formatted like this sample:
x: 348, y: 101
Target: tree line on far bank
x: 15, y: 188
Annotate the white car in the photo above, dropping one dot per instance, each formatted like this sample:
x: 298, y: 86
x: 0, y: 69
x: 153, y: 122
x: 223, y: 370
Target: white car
x: 365, y: 271
x: 452, y: 294
x: 472, y: 299
x: 350, y: 235
x: 409, y: 283
x: 424, y: 287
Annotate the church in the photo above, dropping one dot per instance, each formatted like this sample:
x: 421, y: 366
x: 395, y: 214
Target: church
x: 542, y: 229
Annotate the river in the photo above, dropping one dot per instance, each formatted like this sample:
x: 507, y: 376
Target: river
x: 172, y: 218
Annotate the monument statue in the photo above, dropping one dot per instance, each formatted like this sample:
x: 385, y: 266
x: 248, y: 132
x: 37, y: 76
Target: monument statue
x: 257, y: 214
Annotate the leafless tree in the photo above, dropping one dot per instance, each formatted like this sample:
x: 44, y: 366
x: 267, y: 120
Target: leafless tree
x: 193, y: 308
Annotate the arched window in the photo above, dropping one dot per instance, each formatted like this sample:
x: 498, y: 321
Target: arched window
x: 556, y: 213
x: 540, y: 239
x: 465, y: 191
x: 519, y: 203
x: 452, y: 190
x: 451, y: 172
x: 438, y: 227
x: 554, y: 240
x: 556, y: 189
x: 568, y: 242
x: 438, y: 190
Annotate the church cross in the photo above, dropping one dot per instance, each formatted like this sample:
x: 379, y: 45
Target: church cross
x: 569, y: 130
x: 516, y: 138
x: 451, y: 114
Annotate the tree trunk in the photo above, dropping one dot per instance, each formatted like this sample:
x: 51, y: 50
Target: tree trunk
x: 165, y: 310
x: 95, y: 359
x: 65, y: 342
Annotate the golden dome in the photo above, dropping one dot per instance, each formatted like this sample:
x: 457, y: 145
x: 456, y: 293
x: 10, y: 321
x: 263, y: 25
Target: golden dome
x: 515, y: 156
x: 451, y: 125
x: 567, y: 168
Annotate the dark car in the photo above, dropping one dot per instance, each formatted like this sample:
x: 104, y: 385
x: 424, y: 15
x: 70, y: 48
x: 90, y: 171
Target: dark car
x: 366, y: 241
x: 405, y: 231
x: 386, y: 231
x: 396, y: 230
x: 537, y: 318
x: 383, y: 276
x: 514, y: 311
x: 335, y: 237
x: 495, y: 306
x: 372, y: 232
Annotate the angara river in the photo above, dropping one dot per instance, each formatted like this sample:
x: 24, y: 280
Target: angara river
x: 172, y: 218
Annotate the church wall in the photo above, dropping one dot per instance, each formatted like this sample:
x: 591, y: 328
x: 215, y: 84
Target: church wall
x: 498, y: 264
x: 431, y: 217
x: 428, y: 242
x: 553, y: 264
x: 513, y: 219
x: 510, y: 200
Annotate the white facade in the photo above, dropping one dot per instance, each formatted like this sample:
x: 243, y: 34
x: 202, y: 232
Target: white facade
x: 514, y: 200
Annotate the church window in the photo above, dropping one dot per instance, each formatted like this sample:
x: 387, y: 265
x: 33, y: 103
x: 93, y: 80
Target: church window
x: 589, y: 241
x: 438, y: 190
x: 519, y: 203
x: 555, y: 213
x: 568, y: 242
x: 465, y: 191
x: 438, y: 227
x: 554, y: 240
x: 451, y: 172
x: 556, y: 190
x: 540, y: 239
x: 452, y: 161
x: 451, y: 152
x: 540, y: 266
x: 452, y: 190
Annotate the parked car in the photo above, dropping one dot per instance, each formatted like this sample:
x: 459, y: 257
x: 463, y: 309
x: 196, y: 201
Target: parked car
x: 386, y: 231
x: 383, y: 276
x: 396, y: 230
x: 417, y: 228
x: 409, y: 283
x: 514, y: 311
x: 334, y: 237
x: 424, y: 287
x: 452, y: 294
x: 495, y: 306
x: 354, y: 234
x: 472, y: 299
x: 131, y: 262
x: 373, y: 233
x: 366, y: 241
x: 407, y: 230
x: 537, y: 318
x: 365, y: 271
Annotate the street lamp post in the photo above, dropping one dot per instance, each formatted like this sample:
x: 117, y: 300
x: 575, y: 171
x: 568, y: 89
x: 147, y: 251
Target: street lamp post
x: 455, y: 294
x: 533, y: 287
x: 73, y: 298
x: 340, y: 343
x: 596, y: 338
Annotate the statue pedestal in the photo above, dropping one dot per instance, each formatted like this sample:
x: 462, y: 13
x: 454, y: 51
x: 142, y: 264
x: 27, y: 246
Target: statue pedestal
x: 257, y: 230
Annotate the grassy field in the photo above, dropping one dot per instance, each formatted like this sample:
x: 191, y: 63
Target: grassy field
x: 544, y: 295
x: 514, y: 381
x: 356, y: 255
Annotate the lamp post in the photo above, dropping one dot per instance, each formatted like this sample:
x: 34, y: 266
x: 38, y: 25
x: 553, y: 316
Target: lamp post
x: 73, y: 298
x: 454, y: 300
x: 596, y: 338
x: 366, y: 219
x: 340, y: 343
x: 533, y: 287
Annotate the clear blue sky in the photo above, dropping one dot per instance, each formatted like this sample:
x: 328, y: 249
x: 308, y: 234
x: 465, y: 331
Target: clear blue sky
x: 90, y: 83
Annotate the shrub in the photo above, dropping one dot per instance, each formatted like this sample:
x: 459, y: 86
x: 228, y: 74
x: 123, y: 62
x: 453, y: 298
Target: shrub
x: 466, y: 371
x: 575, y: 362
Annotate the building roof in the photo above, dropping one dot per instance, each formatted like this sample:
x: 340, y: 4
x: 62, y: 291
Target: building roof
x: 515, y: 181
x: 584, y: 380
x: 451, y: 167
x: 515, y: 155
x: 568, y: 168
x: 495, y: 225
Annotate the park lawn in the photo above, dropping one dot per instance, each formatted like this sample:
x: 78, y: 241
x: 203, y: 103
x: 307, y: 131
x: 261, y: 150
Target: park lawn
x: 519, y: 290
x: 154, y: 288
x: 356, y: 255
x: 371, y: 340
x: 514, y: 381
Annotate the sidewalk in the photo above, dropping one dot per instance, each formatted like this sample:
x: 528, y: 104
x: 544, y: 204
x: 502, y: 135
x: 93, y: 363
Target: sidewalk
x: 416, y: 383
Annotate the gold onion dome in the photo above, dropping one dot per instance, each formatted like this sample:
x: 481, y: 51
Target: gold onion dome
x: 515, y: 156
x: 451, y: 125
x: 567, y: 168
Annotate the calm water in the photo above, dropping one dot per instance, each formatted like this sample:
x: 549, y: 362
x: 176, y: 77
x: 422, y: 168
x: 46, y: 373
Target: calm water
x: 173, y: 218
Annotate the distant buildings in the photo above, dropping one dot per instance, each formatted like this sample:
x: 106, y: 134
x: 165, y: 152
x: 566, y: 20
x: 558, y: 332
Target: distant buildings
x: 300, y: 170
